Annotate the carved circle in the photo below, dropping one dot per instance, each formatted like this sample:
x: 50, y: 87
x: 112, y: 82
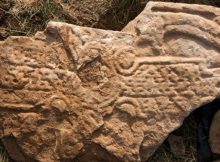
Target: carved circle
x: 128, y: 105
x: 125, y: 63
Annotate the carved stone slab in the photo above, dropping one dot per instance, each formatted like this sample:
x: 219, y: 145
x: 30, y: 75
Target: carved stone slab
x: 80, y: 94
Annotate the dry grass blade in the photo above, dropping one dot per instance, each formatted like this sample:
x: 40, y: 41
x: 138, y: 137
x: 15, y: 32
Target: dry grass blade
x: 3, y: 155
x: 26, y: 19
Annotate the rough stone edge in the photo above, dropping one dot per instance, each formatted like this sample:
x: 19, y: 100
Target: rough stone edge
x: 129, y: 28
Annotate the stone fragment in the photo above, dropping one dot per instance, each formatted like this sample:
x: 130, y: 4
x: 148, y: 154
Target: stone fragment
x: 214, y: 135
x: 73, y: 93
x: 177, y: 146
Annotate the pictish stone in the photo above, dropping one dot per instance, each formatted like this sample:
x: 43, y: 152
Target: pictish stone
x: 74, y: 93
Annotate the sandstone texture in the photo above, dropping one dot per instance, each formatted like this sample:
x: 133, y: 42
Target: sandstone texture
x: 80, y: 94
x: 214, y: 136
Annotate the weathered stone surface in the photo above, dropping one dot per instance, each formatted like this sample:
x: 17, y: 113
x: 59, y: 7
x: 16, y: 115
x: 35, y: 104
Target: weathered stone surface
x: 214, y: 136
x: 72, y: 93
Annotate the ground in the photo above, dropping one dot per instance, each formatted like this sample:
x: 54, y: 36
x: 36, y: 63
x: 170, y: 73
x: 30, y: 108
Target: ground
x: 25, y: 17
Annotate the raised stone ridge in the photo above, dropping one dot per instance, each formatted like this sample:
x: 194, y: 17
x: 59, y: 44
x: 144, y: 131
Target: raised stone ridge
x: 80, y: 94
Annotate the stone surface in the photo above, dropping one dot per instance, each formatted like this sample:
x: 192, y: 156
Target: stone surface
x: 73, y: 93
x: 214, y: 136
